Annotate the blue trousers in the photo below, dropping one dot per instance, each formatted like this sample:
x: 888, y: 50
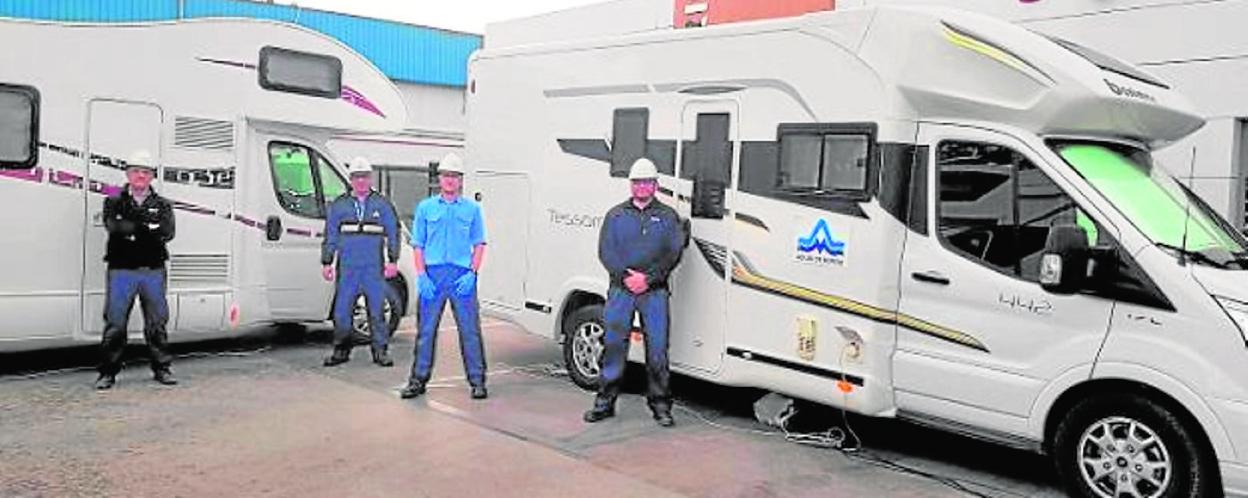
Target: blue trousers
x: 655, y: 318
x: 467, y: 319
x: 123, y: 287
x: 353, y: 281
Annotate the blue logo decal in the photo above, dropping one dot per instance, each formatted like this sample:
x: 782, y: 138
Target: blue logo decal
x: 821, y: 240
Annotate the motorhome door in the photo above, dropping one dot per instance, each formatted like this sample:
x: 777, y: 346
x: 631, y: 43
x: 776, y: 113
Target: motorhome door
x: 115, y: 131
x: 706, y: 160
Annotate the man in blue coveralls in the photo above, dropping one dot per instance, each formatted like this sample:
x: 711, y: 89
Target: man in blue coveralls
x: 640, y: 244
x: 448, y: 236
x: 362, y: 230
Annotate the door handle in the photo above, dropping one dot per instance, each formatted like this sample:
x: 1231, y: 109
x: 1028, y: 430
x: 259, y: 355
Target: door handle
x: 931, y: 277
x: 273, y: 228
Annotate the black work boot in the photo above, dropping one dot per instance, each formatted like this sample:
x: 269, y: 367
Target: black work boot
x: 382, y: 358
x: 164, y: 376
x: 105, y: 382
x: 664, y: 417
x: 339, y: 357
x: 600, y: 412
x: 412, y: 389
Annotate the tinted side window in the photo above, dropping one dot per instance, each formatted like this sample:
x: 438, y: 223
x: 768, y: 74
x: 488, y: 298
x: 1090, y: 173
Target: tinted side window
x: 997, y: 208
x: 298, y: 72
x: 405, y: 187
x: 19, y: 126
x: 628, y: 139
x: 976, y: 202
x: 709, y: 156
x: 823, y: 162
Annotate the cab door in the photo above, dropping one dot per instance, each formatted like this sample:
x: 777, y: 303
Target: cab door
x: 978, y: 337
x: 303, y: 183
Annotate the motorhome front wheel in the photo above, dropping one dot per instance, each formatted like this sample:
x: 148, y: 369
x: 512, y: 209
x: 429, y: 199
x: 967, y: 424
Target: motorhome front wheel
x: 1128, y: 445
x: 392, y: 309
x: 583, y: 345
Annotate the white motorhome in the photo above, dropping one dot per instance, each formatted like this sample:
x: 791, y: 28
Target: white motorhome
x: 1206, y: 61
x: 915, y: 213
x: 237, y: 111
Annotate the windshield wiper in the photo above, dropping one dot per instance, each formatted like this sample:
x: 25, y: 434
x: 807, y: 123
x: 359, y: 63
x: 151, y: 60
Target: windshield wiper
x: 1195, y: 255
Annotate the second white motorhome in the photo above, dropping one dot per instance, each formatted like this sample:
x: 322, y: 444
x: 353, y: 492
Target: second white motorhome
x: 238, y: 112
x: 914, y: 213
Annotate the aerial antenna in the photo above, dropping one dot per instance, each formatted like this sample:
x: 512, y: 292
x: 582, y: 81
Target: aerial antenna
x: 1187, y: 209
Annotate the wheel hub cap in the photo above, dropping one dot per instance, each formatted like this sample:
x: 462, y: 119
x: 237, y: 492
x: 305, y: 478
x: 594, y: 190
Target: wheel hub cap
x: 587, y: 349
x: 1120, y: 456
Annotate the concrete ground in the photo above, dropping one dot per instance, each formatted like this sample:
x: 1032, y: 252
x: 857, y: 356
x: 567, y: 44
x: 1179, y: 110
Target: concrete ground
x: 259, y: 416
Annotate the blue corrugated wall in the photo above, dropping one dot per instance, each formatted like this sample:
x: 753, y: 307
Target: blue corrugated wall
x: 403, y: 52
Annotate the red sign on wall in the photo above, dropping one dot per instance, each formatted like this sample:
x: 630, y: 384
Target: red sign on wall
x: 695, y: 13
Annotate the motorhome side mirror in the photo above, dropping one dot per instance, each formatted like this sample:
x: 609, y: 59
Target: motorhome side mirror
x: 708, y: 199
x: 1064, y: 264
x: 273, y: 228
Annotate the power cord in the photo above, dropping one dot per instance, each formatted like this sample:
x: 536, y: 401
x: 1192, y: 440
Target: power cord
x: 838, y: 438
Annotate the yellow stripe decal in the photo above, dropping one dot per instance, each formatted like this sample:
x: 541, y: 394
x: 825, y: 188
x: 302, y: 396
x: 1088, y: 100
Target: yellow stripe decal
x: 997, y: 54
x: 746, y: 278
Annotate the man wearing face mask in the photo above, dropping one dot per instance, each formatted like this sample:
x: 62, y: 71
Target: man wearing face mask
x: 361, y: 228
x: 448, y: 238
x: 139, y: 224
x: 640, y: 244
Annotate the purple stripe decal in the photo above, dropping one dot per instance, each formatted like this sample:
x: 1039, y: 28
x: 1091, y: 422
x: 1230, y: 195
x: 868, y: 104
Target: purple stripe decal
x: 66, y: 179
x: 240, y: 65
x: 191, y: 208
x: 245, y: 220
x: 70, y: 180
x: 30, y: 175
x: 359, y: 100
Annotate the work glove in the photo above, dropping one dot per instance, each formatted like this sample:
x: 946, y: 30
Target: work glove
x: 464, y: 285
x: 425, y: 284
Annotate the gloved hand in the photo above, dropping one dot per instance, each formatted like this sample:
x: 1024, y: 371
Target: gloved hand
x: 425, y: 284
x: 466, y: 284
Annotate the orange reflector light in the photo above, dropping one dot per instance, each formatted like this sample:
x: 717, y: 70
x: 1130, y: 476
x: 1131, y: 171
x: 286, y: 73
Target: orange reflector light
x: 844, y: 386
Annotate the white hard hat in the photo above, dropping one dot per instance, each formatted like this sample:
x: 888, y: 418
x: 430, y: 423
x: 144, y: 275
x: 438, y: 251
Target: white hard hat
x: 141, y: 159
x: 451, y: 163
x: 359, y: 165
x: 643, y: 169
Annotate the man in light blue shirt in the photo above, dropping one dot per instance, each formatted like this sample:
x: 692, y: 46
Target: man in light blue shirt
x: 448, y: 239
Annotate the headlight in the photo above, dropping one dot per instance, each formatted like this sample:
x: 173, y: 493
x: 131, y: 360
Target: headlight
x: 1238, y: 312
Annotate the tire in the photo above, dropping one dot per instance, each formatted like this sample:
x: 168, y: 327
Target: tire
x: 1182, y: 467
x: 392, y: 309
x: 290, y: 333
x: 583, y: 334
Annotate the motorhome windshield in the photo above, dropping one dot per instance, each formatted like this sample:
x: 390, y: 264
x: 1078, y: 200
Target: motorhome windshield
x: 1155, y: 203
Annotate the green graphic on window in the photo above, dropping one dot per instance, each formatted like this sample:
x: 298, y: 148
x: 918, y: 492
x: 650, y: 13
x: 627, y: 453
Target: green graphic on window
x: 1153, y: 201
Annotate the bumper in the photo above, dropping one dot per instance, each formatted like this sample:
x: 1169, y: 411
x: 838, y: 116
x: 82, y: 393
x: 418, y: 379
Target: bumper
x: 1234, y: 479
